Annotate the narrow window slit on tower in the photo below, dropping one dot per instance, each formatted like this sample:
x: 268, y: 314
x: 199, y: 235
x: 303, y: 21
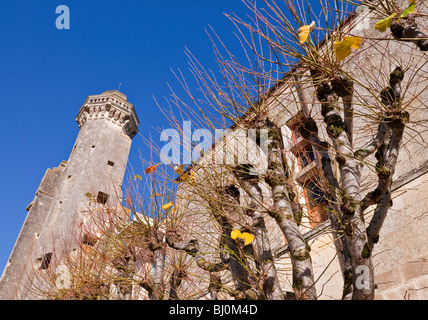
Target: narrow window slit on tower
x: 102, y: 197
x: 46, y: 261
x: 93, y: 146
x: 110, y: 163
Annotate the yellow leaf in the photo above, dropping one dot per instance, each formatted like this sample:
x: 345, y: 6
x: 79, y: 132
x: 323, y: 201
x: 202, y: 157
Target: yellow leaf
x: 151, y: 168
x: 168, y: 205
x: 175, y: 208
x: 343, y: 48
x: 185, y: 177
x: 179, y: 169
x: 137, y: 176
x: 304, y: 32
x: 384, y: 24
x: 235, y: 234
x: 247, y: 237
x: 188, y: 176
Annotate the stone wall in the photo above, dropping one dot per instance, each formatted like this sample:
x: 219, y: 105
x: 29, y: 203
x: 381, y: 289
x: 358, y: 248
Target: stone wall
x: 401, y: 256
x: 21, y: 256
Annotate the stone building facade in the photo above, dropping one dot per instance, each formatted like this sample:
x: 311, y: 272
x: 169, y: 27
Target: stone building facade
x: 96, y: 166
x: 400, y: 257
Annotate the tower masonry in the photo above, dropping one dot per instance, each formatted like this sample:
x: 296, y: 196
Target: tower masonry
x: 96, y: 167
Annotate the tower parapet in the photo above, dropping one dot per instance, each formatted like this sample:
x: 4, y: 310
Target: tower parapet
x: 113, y: 106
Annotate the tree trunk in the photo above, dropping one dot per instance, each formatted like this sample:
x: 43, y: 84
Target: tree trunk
x: 281, y: 211
x: 271, y: 286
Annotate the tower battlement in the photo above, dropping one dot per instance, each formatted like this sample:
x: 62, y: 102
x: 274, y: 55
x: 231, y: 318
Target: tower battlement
x: 113, y: 106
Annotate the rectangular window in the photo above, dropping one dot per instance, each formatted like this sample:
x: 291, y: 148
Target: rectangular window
x: 316, y: 200
x: 294, y: 124
x: 295, y: 133
x: 300, y: 147
x: 306, y: 156
x: 308, y: 173
x: 315, y: 194
x: 46, y: 261
x: 102, y: 197
x: 110, y: 163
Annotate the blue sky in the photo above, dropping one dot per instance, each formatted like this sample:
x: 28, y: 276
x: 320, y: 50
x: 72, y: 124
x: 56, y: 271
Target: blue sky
x: 46, y: 74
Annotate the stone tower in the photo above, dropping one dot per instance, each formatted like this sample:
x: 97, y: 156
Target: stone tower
x: 97, y: 164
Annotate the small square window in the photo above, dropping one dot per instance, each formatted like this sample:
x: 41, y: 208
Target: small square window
x: 102, y: 197
x: 46, y: 261
x: 110, y: 163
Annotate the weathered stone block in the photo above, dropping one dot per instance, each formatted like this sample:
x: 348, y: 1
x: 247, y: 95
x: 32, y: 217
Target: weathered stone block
x: 413, y: 269
x: 422, y: 287
x: 404, y: 292
x: 388, y: 280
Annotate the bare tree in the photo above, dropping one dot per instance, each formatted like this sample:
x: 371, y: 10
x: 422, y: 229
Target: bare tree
x: 218, y: 228
x: 346, y: 93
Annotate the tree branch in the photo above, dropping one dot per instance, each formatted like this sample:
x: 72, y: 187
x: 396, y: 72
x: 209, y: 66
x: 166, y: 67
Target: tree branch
x: 175, y: 282
x: 387, y: 155
x: 382, y: 134
x: 271, y: 286
x: 407, y: 30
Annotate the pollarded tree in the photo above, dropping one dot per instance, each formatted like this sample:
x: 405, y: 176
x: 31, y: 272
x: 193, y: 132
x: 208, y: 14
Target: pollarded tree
x: 340, y: 76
